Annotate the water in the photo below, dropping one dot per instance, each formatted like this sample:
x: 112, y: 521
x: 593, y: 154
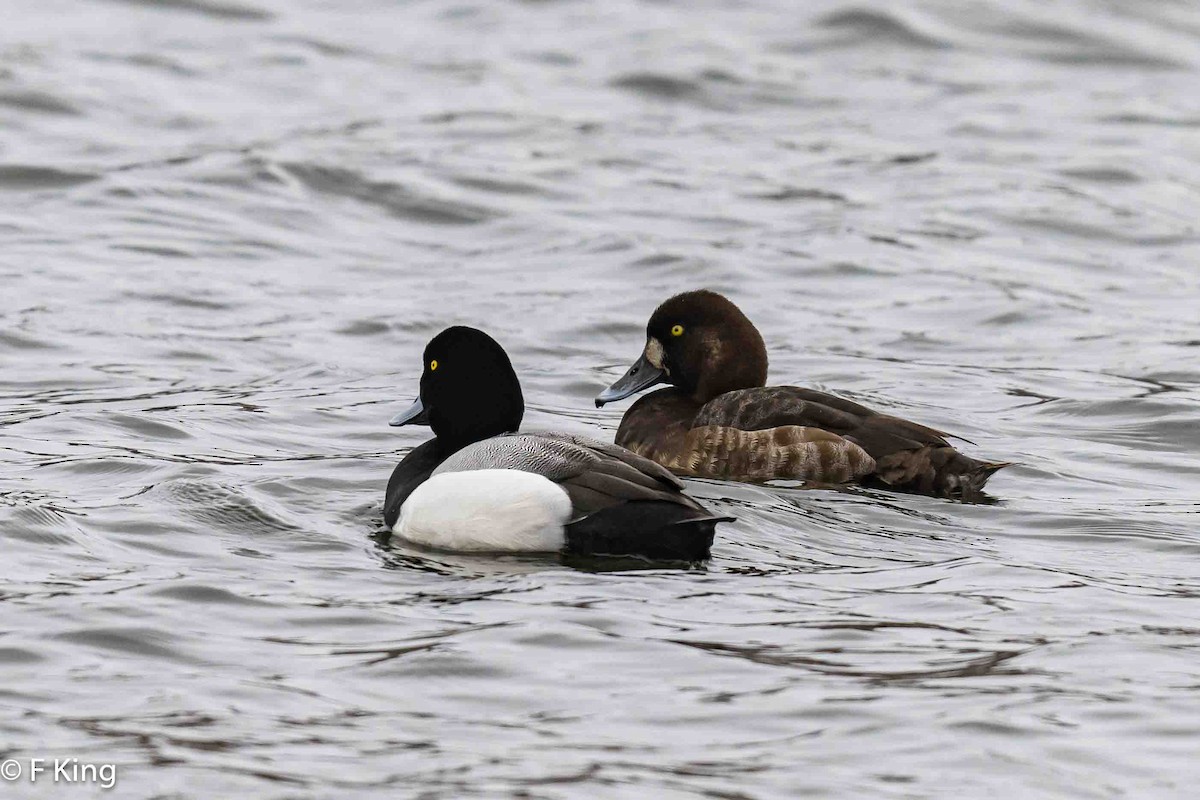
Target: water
x: 228, y: 227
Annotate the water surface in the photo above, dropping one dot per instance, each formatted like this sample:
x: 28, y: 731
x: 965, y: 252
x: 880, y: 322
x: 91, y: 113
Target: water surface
x: 228, y: 227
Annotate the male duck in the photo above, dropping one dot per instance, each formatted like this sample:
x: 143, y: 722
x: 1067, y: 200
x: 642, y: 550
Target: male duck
x: 720, y: 421
x: 480, y: 486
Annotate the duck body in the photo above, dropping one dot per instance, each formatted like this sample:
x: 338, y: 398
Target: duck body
x: 479, y: 486
x: 719, y: 420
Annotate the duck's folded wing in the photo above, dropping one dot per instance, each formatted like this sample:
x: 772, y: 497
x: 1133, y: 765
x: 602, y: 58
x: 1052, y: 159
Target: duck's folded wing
x: 649, y: 469
x: 595, y: 475
x: 767, y: 407
x: 617, y: 475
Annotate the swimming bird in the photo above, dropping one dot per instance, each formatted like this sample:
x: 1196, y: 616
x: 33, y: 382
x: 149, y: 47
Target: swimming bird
x: 719, y: 419
x: 479, y: 485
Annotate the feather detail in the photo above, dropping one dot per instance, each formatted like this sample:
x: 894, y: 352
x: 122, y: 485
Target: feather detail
x: 792, y: 452
x: 772, y: 432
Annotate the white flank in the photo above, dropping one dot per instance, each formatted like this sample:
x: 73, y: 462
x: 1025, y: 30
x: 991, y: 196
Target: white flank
x: 495, y: 510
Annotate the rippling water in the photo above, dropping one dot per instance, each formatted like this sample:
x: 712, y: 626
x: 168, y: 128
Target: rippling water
x: 227, y: 228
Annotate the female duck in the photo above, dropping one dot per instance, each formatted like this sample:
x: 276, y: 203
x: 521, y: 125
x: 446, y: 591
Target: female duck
x: 480, y: 486
x: 719, y: 420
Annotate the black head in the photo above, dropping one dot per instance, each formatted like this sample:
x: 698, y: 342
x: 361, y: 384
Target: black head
x: 700, y: 342
x: 469, y: 391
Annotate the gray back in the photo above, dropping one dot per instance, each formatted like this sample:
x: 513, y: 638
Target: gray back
x: 594, y: 474
x: 548, y: 455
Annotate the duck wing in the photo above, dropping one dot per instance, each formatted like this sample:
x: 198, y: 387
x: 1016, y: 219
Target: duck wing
x: 595, y: 475
x: 766, y: 407
x: 907, y: 455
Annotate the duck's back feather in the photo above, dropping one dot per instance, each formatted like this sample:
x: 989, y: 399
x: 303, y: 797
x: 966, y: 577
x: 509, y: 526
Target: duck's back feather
x: 767, y: 407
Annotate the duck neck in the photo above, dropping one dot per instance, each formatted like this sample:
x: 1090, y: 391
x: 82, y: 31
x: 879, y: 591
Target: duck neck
x: 449, y: 444
x: 457, y: 427
x: 657, y: 422
x: 730, y: 372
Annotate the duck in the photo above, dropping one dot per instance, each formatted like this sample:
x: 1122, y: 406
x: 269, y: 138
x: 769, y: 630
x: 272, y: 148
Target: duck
x: 481, y: 485
x: 719, y: 419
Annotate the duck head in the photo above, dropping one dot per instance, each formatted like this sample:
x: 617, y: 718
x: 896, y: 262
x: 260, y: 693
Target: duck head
x: 699, y: 342
x: 469, y: 390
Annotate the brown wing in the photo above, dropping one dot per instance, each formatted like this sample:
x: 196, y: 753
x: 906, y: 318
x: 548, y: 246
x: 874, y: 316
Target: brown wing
x: 768, y: 407
x: 795, y: 452
x: 907, y: 455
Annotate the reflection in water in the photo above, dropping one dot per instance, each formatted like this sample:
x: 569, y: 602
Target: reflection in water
x: 228, y: 228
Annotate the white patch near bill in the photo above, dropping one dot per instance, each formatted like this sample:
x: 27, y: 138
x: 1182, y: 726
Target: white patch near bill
x: 654, y: 353
x: 486, y: 510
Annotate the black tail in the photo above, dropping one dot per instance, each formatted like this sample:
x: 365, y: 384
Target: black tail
x: 653, y: 529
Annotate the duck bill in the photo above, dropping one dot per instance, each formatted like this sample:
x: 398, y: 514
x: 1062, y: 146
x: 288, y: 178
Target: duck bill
x: 642, y: 375
x: 413, y: 415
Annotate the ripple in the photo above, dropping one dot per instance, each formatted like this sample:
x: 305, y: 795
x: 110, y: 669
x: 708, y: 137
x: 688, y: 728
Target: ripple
x: 145, y: 428
x: 18, y: 341
x: 365, y: 327
x: 38, y: 102
x: 227, y: 508
x: 788, y: 194
x: 139, y: 642
x: 178, y: 300
x: 504, y: 187
x: 205, y: 595
x: 1132, y: 118
x: 1078, y: 45
x: 946, y: 666
x: 1102, y: 174
x: 868, y: 26
x: 397, y: 200
x: 17, y: 655
x: 16, y: 177
x: 208, y: 8
x: 660, y: 86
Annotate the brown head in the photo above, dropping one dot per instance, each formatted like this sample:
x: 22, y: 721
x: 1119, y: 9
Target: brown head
x: 699, y: 342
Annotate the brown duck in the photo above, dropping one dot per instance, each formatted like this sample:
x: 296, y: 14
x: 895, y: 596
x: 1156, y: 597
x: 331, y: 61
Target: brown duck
x: 719, y: 420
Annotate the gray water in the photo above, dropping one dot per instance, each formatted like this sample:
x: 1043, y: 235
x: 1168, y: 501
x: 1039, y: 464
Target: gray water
x: 228, y: 227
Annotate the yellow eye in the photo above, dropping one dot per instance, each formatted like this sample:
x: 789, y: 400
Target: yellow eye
x: 433, y: 365
x: 677, y: 330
